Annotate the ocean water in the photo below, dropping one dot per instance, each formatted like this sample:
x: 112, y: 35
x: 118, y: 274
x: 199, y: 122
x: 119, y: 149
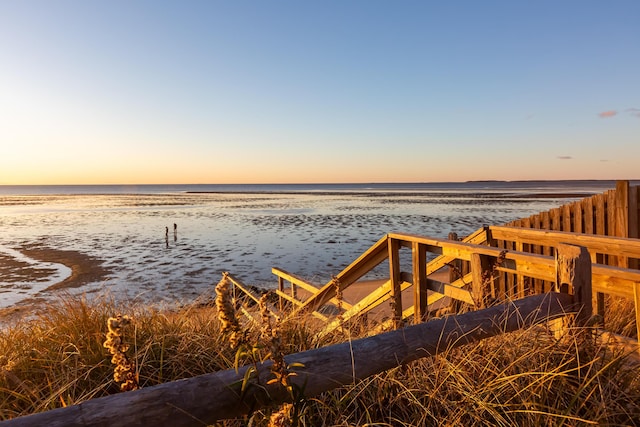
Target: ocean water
x: 312, y: 230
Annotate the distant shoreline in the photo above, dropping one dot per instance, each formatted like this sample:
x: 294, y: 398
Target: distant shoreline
x: 534, y: 188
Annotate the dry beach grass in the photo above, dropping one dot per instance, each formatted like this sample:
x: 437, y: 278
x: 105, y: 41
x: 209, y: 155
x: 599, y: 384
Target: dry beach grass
x: 522, y: 378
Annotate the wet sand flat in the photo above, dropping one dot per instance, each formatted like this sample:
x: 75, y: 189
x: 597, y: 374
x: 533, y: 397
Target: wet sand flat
x: 118, y: 243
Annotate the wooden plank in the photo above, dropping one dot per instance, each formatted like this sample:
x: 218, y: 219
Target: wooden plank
x: 238, y: 284
x: 419, y: 266
x: 297, y: 302
x: 450, y: 291
x: 394, y: 277
x: 458, y: 284
x: 622, y: 215
x: 578, y: 221
x: 612, y: 227
x: 567, y: 219
x: 617, y: 280
x: 297, y: 280
x: 636, y: 295
x: 520, y: 279
x: 622, y: 209
x: 281, y: 289
x: 288, y: 297
x: 546, y: 225
x: 480, y: 268
x: 587, y: 208
x: 361, y: 266
x: 477, y: 238
x: 302, y: 283
x: 634, y: 227
x: 601, y: 244
x: 365, y: 305
x: 634, y: 231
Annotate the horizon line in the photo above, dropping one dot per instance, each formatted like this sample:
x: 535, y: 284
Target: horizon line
x: 335, y: 183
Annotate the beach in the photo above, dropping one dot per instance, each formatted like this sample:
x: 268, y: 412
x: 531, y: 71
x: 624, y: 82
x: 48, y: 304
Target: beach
x: 126, y: 246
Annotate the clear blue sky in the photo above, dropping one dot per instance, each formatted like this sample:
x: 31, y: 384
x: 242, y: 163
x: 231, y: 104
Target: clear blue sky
x: 318, y: 91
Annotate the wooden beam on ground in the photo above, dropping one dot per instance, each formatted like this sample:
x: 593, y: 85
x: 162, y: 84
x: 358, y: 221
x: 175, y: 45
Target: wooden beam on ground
x: 208, y: 398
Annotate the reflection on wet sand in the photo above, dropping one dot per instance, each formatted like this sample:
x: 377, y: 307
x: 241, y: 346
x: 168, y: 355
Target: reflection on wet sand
x: 121, y: 242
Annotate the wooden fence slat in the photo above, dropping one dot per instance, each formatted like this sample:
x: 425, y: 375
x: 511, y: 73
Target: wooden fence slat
x: 577, y: 218
x: 395, y: 277
x: 567, y: 219
x: 611, y: 228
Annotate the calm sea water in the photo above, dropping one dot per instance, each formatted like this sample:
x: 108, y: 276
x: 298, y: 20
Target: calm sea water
x: 313, y: 231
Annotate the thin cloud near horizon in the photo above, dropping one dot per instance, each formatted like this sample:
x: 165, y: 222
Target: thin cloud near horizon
x: 607, y: 114
x: 565, y: 157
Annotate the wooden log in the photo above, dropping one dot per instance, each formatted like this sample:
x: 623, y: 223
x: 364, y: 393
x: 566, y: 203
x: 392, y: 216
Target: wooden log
x: 208, y: 398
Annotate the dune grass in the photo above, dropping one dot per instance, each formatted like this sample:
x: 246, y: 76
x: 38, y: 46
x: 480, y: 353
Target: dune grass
x: 525, y: 378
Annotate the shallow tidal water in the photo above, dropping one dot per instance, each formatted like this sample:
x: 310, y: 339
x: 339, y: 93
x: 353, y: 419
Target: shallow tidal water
x: 313, y: 235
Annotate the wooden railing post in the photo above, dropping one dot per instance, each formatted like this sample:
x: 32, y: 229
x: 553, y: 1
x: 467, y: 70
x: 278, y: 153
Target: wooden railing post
x: 456, y: 271
x: 573, y: 276
x: 394, y: 276
x: 281, y: 289
x: 481, y: 271
x: 636, y: 298
x: 419, y: 261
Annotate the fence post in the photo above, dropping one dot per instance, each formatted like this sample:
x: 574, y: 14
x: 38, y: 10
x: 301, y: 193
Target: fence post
x: 394, y: 276
x: 573, y: 276
x: 281, y: 289
x: 481, y: 273
x: 419, y: 259
x: 622, y: 216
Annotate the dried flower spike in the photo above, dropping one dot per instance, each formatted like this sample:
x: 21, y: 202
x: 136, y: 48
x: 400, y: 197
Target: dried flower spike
x: 124, y: 372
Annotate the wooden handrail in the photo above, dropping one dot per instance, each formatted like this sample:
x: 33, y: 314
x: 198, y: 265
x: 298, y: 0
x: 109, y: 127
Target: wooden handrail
x: 601, y: 244
x: 358, y: 268
x: 299, y: 281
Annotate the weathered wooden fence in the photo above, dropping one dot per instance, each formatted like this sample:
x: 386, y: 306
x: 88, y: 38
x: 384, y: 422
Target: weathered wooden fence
x: 613, y: 213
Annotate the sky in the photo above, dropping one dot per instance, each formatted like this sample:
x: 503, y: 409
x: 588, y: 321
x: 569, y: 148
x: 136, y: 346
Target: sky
x: 185, y: 92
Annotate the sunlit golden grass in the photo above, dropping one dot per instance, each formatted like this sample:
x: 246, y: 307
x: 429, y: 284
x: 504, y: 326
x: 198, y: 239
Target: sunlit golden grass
x: 522, y: 378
